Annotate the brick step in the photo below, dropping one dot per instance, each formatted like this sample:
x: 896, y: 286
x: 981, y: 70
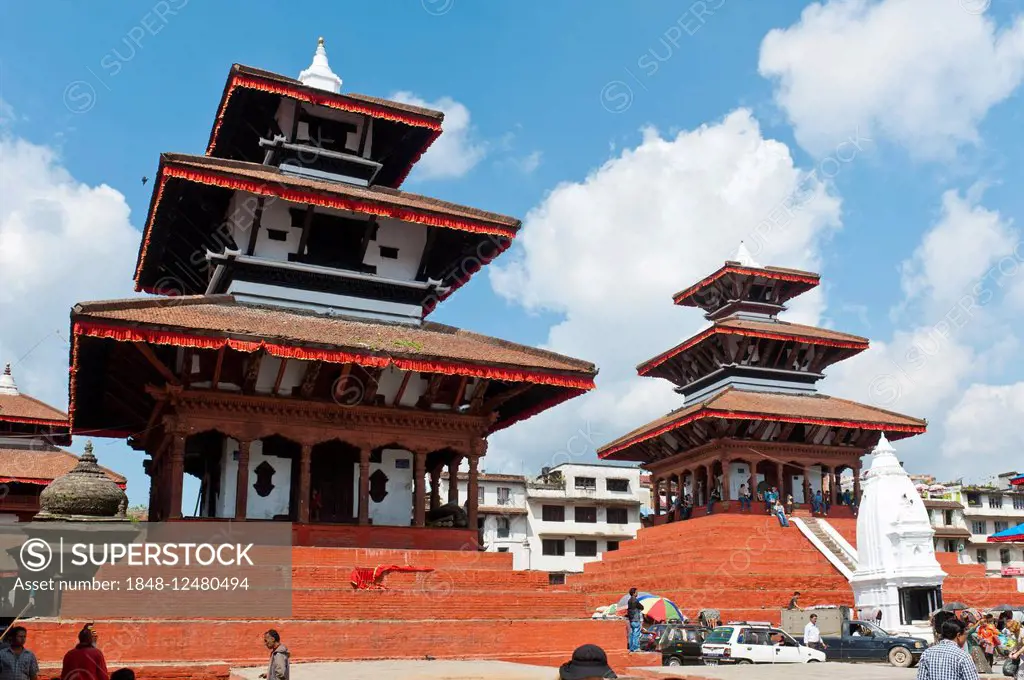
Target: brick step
x: 135, y: 643
x: 372, y: 557
x: 740, y: 582
x: 700, y: 563
x: 722, y: 595
x: 156, y: 671
x: 783, y: 539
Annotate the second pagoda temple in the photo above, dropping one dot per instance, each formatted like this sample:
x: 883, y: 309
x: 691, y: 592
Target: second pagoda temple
x: 285, y: 361
x: 752, y: 415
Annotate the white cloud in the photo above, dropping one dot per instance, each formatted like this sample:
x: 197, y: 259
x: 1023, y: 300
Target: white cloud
x: 7, y: 115
x: 984, y: 425
x: 529, y: 163
x: 920, y: 72
x: 609, y: 251
x: 457, y: 150
x: 61, y: 242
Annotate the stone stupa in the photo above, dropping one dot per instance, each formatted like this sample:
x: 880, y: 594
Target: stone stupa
x: 85, y: 493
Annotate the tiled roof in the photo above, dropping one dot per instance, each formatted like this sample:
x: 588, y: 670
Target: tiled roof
x: 951, y: 532
x: 941, y: 504
x: 24, y: 407
x: 746, y: 404
x: 808, y: 279
x: 40, y: 466
x: 376, y: 194
x: 221, y: 315
x: 388, y: 103
x: 734, y: 325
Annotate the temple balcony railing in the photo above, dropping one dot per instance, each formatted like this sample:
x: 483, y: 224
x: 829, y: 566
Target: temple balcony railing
x: 19, y: 502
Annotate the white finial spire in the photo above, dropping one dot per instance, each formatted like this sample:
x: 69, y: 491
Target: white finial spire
x: 7, y: 385
x: 883, y: 445
x: 319, y: 73
x: 744, y: 257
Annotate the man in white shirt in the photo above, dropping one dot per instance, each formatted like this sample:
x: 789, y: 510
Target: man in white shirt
x: 812, y: 636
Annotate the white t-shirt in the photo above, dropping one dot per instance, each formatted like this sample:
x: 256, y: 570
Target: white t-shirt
x: 811, y: 633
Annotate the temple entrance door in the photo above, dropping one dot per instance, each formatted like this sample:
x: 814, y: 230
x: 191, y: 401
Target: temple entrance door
x: 332, y: 473
x: 916, y: 604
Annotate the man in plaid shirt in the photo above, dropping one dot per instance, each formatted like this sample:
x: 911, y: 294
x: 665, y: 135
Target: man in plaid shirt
x: 947, y: 660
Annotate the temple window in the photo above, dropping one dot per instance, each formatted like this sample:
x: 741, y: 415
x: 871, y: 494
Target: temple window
x: 264, y: 476
x: 378, y: 486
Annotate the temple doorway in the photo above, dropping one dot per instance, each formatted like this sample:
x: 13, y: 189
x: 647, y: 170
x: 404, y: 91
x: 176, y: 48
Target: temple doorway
x: 332, y: 485
x: 917, y: 604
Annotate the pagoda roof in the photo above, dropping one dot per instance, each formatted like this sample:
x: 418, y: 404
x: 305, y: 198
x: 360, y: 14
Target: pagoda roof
x: 774, y: 330
x: 42, y: 466
x: 217, y: 321
x: 802, y: 280
x: 264, y: 180
x: 246, y: 86
x: 733, y: 404
x: 21, y: 408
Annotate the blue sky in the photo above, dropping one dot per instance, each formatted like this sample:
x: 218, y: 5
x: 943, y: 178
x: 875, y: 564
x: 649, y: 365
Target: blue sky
x: 558, y: 95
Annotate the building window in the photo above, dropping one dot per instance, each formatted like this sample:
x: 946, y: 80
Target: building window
x: 586, y: 548
x: 979, y: 527
x: 1000, y: 526
x: 502, y: 549
x: 587, y: 515
x: 553, y: 546
x: 1018, y: 502
x: 480, y: 496
x: 1004, y: 555
x: 974, y: 500
x: 586, y: 483
x: 613, y: 546
x: 553, y: 513
x: 556, y: 579
x: 618, y: 485
x: 504, y: 528
x: 388, y: 253
x: 995, y: 501
x: 982, y: 556
x: 618, y: 516
x: 504, y: 495
x: 277, y: 235
x: 947, y: 518
x: 950, y: 545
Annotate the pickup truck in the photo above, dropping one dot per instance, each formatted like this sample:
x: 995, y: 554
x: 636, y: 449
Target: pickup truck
x: 866, y: 642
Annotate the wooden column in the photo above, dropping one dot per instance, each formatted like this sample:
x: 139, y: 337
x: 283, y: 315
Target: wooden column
x: 418, y: 499
x: 781, y: 480
x: 856, y: 484
x: 833, y: 488
x: 435, y: 492
x: 807, y: 485
x: 305, y: 463
x: 177, y: 475
x: 752, y: 481
x: 242, y: 480
x: 656, y: 494
x: 472, y: 488
x: 453, y: 479
x: 364, y: 485
x: 725, y: 480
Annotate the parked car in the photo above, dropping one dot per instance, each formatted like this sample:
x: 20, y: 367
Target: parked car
x: 680, y: 645
x: 743, y: 643
x: 863, y: 641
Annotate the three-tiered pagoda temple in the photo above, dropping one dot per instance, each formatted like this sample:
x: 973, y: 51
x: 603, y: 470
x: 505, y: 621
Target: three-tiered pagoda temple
x: 752, y: 415
x: 286, y: 362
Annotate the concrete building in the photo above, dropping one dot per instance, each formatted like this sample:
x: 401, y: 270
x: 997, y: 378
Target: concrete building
x: 503, y: 517
x: 965, y: 515
x: 576, y: 512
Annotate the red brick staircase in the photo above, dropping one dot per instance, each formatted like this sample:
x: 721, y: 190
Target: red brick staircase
x: 472, y: 606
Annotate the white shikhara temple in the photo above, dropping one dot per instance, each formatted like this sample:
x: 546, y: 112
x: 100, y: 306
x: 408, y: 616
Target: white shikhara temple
x: 897, y: 571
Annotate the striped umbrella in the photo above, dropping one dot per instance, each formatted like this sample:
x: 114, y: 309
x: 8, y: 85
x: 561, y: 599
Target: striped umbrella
x: 660, y: 609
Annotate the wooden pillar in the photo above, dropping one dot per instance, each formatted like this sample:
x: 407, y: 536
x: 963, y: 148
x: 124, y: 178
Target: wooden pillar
x: 856, y: 484
x: 305, y: 463
x: 807, y: 485
x: 752, y: 483
x: 177, y: 475
x: 726, y: 494
x: 656, y: 494
x: 472, y: 490
x: 781, y: 480
x: 242, y: 480
x: 418, y: 499
x: 833, y: 488
x: 435, y: 492
x: 453, y: 479
x: 364, y: 485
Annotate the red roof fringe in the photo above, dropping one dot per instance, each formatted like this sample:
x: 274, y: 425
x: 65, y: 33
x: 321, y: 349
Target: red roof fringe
x: 753, y: 271
x: 646, y: 368
x: 734, y: 415
x: 33, y: 421
x: 306, y: 197
x: 42, y: 482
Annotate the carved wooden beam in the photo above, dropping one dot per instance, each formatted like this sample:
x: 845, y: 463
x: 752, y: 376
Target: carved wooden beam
x: 460, y: 392
x: 306, y: 228
x: 430, y: 396
x: 254, y: 230
x: 186, y: 365
x: 373, y: 384
x: 280, y: 376
x: 499, y: 399
x: 216, y: 370
x: 787, y: 430
x: 252, y: 372
x: 309, y: 379
x: 401, y: 388
x: 160, y: 366
x: 478, y: 395
x: 368, y: 234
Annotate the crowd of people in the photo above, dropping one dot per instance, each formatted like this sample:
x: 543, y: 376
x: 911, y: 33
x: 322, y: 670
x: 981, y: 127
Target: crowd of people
x: 683, y: 506
x: 86, y: 661
x: 969, y: 647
